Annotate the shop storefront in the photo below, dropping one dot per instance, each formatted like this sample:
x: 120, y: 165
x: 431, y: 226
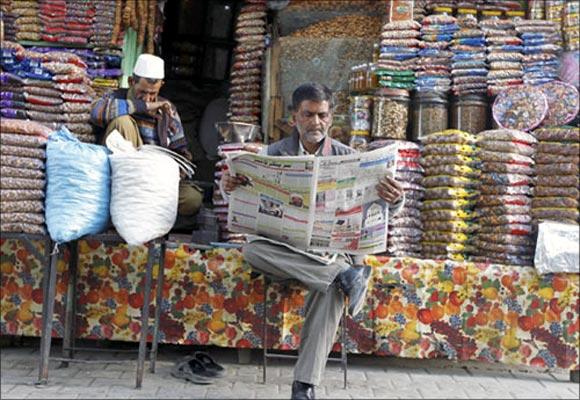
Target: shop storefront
x: 481, y: 97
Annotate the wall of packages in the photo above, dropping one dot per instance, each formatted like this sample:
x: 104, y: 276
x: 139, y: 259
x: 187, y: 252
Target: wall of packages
x: 480, y: 99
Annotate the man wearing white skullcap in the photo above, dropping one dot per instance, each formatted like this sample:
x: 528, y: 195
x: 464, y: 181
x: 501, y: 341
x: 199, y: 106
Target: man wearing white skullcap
x: 143, y: 117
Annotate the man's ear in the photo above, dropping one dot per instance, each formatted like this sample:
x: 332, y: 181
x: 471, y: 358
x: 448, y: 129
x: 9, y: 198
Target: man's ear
x: 131, y: 81
x: 292, y: 119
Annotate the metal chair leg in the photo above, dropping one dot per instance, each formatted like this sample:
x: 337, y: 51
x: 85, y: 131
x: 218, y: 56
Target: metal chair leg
x: 343, y: 352
x: 49, y: 286
x: 158, y: 300
x: 145, y: 316
x: 265, y: 335
x: 68, y: 341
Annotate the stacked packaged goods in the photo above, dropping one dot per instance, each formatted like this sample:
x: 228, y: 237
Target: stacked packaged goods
x: 504, y: 54
x: 541, y: 62
x: 405, y: 229
x: 22, y: 176
x: 398, y: 54
x: 419, y: 11
x: 103, y: 66
x: 104, y: 22
x: 433, y: 71
x: 246, y: 76
x: 556, y: 193
x: 504, y: 233
x: 450, y: 182
x: 220, y: 199
x: 469, y: 69
x: 67, y: 22
x: 557, y: 158
x: 554, y: 11
x: 53, y: 89
x: 28, y: 24
x: 572, y: 26
x: 8, y: 19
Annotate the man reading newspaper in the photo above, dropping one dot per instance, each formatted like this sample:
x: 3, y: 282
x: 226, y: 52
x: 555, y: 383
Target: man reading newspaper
x: 326, y: 276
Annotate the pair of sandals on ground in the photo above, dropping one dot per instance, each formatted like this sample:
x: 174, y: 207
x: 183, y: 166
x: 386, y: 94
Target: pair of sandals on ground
x: 199, y: 368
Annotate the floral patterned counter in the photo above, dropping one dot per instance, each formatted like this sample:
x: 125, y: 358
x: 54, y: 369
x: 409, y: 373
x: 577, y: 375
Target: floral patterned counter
x: 415, y: 308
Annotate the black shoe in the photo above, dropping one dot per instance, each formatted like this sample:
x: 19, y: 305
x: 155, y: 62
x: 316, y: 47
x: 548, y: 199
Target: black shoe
x: 302, y: 391
x: 354, y: 283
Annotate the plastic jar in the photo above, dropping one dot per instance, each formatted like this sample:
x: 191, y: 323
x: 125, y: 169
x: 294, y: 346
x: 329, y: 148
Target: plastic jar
x: 469, y: 113
x: 360, y: 114
x: 429, y: 113
x: 372, y: 78
x: 390, y: 114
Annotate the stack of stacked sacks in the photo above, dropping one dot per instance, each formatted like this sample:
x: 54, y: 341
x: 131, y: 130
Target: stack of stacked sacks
x: 103, y: 66
x: 405, y: 229
x: 572, y: 26
x: 105, y: 70
x: 246, y: 77
x: 419, y: 11
x: 434, y: 72
x: 450, y: 182
x: 541, y: 62
x: 504, y: 206
x: 557, y: 159
x: 398, y: 54
x: 103, y: 23
x: 554, y: 12
x: 220, y: 199
x: 28, y: 24
x: 504, y: 54
x: 67, y: 21
x: 22, y: 176
x: 54, y: 89
x: 8, y: 19
x: 469, y: 69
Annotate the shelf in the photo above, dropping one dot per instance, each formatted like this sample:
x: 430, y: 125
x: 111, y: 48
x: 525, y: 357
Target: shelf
x: 63, y: 45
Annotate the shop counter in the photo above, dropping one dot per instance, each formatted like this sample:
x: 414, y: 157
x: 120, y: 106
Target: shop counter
x: 415, y: 308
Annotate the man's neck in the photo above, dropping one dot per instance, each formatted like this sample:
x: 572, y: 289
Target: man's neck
x: 311, y: 148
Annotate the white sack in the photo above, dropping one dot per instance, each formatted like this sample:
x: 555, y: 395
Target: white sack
x: 144, y: 190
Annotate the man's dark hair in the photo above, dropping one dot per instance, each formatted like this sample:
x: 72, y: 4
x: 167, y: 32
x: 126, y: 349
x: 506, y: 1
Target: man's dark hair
x: 314, y: 92
x: 136, y: 78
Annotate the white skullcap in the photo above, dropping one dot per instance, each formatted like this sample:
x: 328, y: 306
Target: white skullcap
x: 149, y: 66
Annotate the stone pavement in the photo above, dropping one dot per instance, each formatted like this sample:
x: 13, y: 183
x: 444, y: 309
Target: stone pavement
x: 369, y: 377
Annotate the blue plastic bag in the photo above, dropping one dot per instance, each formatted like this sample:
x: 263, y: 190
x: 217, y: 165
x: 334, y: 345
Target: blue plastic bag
x: 78, y: 188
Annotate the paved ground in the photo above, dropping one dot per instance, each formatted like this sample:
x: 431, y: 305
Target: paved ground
x: 369, y: 377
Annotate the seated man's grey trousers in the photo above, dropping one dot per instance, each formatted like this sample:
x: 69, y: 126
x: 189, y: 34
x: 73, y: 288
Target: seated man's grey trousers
x: 324, y: 302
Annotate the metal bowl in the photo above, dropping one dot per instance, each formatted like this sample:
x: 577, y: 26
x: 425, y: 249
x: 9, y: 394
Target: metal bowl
x: 238, y: 132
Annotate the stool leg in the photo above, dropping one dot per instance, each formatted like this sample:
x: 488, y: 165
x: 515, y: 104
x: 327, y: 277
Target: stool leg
x: 158, y: 300
x: 343, y: 354
x: 68, y: 341
x: 145, y: 315
x: 49, y: 284
x: 265, y: 335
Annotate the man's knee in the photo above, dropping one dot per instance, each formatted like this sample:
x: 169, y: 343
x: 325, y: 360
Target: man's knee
x: 190, y: 200
x: 122, y: 124
x: 250, y: 252
x: 127, y: 127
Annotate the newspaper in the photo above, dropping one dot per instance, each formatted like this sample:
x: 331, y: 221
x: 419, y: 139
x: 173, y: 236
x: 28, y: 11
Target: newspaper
x: 327, y: 204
